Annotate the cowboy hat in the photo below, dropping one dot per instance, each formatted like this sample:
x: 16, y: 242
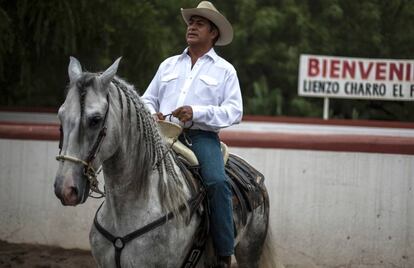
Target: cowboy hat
x: 207, y: 10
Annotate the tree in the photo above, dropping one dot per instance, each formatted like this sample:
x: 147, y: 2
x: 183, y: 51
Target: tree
x: 37, y: 38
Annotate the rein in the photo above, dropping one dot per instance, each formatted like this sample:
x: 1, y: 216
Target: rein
x: 88, y: 171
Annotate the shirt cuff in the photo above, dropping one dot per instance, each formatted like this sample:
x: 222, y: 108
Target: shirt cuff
x: 199, y: 112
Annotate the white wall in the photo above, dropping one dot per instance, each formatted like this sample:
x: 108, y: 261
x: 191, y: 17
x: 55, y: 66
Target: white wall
x: 30, y: 212
x: 340, y: 209
x: 328, y: 209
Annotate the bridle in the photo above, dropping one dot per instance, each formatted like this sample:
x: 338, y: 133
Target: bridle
x: 88, y: 170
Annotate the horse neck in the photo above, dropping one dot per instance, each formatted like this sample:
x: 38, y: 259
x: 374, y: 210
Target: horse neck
x: 126, y: 205
x: 123, y: 204
x: 126, y: 179
x: 136, y: 175
x: 125, y: 208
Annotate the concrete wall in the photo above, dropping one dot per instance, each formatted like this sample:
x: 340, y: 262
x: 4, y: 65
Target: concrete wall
x: 30, y: 211
x: 328, y: 209
x: 339, y: 209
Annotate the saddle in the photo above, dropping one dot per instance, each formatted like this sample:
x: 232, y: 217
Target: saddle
x: 170, y: 132
x: 246, y: 182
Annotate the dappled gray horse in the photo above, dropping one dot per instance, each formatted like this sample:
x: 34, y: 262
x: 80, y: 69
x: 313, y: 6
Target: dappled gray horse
x: 146, y: 219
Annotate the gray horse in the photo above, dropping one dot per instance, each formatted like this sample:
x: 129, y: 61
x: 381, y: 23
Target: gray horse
x: 104, y: 123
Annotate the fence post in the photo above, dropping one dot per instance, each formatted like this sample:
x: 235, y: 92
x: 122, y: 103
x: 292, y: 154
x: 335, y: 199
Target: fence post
x: 325, y: 108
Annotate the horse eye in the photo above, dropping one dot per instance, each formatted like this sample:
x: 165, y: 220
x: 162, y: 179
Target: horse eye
x: 93, y: 121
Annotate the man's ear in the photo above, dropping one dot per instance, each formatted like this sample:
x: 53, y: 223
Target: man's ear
x: 216, y: 34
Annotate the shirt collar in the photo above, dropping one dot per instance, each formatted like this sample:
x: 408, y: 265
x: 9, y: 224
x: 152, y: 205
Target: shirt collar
x: 211, y: 54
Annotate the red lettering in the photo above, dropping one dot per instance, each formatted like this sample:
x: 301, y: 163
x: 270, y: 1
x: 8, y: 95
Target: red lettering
x: 396, y: 70
x: 408, y: 72
x: 348, y: 69
x: 342, y: 68
x: 380, y: 69
x: 334, y: 69
x: 313, y: 67
x: 365, y: 73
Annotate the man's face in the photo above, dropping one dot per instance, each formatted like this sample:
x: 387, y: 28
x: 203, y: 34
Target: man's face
x: 199, y: 31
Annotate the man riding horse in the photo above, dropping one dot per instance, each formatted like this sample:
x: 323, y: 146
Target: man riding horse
x: 202, y: 88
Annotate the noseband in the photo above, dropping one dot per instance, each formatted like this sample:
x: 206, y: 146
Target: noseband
x: 88, y: 170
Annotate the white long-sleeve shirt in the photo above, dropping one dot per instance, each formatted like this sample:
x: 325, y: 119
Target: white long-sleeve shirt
x: 211, y: 88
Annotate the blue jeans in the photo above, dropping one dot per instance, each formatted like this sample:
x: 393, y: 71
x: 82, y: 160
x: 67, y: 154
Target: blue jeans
x: 206, y: 146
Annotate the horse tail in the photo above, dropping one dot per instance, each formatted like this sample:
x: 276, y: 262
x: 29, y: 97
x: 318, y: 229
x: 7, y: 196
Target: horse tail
x: 269, y: 257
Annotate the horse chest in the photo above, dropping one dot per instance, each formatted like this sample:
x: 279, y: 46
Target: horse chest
x: 132, y: 255
x: 165, y: 246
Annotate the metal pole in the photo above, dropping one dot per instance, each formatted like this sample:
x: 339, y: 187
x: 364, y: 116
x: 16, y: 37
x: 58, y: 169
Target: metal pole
x: 325, y: 108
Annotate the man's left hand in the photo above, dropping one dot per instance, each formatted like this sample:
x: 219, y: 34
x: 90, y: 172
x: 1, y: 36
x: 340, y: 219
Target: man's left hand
x: 183, y: 113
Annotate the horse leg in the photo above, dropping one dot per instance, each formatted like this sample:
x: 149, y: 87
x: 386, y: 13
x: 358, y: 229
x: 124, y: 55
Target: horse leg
x: 250, y: 248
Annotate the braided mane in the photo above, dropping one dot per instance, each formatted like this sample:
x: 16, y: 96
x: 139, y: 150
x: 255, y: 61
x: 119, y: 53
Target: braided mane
x: 148, y: 153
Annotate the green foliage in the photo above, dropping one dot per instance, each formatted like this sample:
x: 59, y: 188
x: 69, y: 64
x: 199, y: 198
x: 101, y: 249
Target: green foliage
x: 6, y: 38
x: 303, y: 107
x: 38, y: 36
x: 264, y: 101
x: 43, y: 34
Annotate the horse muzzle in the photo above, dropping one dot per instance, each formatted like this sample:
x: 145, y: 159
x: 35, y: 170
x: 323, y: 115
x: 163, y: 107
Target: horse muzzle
x: 69, y: 192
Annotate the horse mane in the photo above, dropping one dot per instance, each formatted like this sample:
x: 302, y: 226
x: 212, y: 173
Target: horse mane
x: 145, y: 143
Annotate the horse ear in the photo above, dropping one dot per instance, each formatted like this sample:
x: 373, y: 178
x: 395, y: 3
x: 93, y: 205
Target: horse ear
x: 109, y: 74
x: 74, y: 69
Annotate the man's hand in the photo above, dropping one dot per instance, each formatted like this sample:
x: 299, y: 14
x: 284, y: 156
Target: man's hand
x: 183, y: 113
x: 158, y: 116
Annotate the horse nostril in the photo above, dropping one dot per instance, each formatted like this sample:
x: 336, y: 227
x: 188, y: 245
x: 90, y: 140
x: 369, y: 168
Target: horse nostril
x: 74, y: 190
x: 70, y: 195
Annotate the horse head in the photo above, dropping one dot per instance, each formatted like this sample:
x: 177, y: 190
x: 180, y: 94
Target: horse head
x: 84, y: 121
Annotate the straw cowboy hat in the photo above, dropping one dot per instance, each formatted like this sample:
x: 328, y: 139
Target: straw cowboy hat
x: 207, y: 10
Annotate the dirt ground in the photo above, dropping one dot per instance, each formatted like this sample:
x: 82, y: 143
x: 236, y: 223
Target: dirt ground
x: 36, y: 256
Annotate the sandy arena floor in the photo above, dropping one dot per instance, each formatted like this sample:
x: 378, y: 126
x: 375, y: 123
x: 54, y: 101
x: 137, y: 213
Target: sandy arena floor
x: 36, y: 256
